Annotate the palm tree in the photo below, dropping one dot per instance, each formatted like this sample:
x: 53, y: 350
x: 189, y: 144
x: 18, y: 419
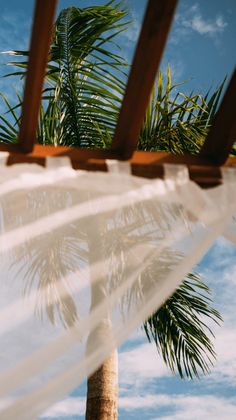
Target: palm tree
x: 85, y: 79
x: 84, y: 86
x: 176, y: 122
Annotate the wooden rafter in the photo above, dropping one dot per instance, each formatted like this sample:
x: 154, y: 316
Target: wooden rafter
x: 145, y: 164
x: 151, y: 44
x: 222, y: 134
x: 38, y: 57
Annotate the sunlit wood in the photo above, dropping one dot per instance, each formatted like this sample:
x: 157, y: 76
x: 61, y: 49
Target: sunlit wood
x: 222, y: 134
x: 39, y: 49
x: 145, y: 164
x: 150, y: 47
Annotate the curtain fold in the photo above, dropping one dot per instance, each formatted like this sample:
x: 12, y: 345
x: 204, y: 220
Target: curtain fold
x: 86, y: 257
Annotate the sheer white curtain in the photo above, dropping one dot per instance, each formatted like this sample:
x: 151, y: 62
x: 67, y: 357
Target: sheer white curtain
x: 85, y: 258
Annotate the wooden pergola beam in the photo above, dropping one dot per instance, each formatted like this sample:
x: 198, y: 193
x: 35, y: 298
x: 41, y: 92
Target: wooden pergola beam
x: 144, y: 164
x: 151, y: 44
x: 222, y: 134
x: 38, y: 57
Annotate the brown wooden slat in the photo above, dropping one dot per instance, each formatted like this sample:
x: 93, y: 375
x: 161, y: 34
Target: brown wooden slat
x: 39, y: 49
x: 83, y: 155
x: 145, y: 164
x: 222, y: 134
x: 87, y: 159
x: 156, y: 25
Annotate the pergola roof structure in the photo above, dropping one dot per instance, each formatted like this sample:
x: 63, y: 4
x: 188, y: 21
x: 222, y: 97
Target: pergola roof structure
x: 203, y: 168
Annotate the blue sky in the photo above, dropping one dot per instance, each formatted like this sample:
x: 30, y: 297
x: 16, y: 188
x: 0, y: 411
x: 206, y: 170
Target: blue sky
x: 201, y: 47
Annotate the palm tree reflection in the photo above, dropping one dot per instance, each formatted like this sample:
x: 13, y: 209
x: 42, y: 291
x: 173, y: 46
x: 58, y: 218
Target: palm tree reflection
x: 46, y: 261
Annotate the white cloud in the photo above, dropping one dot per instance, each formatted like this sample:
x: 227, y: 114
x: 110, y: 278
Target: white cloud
x: 191, y: 20
x: 183, y: 407
x: 202, y: 26
x: 135, y: 402
x: 225, y: 367
x: 140, y: 365
x: 200, y: 408
x: 219, y: 272
x: 230, y: 276
x: 222, y: 252
x: 68, y: 407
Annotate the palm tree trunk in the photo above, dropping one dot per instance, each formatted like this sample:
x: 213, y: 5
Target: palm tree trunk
x: 102, y: 391
x: 102, y: 386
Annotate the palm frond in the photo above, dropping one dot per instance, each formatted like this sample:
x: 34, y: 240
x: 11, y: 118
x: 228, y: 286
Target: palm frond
x: 85, y: 78
x: 180, y: 332
x: 9, y: 122
x: 177, y: 123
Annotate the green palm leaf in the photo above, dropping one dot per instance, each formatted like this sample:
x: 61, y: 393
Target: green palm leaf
x: 180, y: 332
x: 85, y: 77
x: 177, y: 124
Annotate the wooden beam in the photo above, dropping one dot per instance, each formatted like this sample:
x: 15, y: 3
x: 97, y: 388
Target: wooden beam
x: 83, y: 155
x: 156, y: 25
x: 90, y: 159
x: 222, y: 134
x: 38, y: 57
x: 144, y: 164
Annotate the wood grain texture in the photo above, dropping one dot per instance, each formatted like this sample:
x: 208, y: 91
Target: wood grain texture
x: 144, y: 164
x: 39, y: 50
x: 222, y: 134
x: 156, y: 25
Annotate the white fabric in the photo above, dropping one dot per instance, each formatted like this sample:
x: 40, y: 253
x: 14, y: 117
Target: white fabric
x: 85, y: 258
